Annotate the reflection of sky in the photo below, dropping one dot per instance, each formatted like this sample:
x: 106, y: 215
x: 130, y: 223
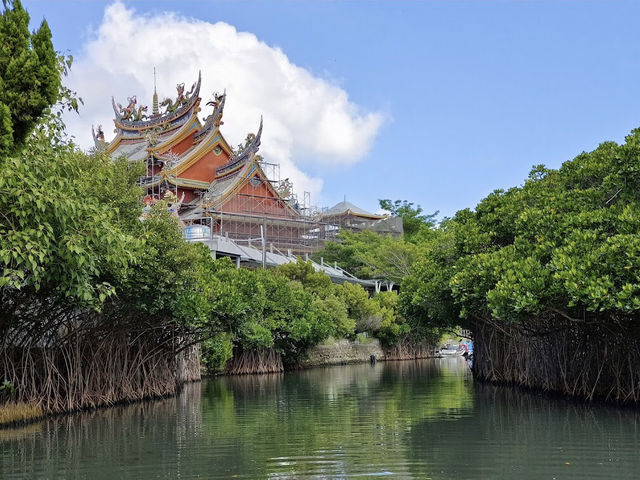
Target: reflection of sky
x: 423, y: 419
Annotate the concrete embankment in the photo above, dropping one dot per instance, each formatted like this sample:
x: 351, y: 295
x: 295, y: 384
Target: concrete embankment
x: 343, y: 351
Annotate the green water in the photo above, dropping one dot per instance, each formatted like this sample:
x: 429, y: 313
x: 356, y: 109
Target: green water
x: 424, y: 419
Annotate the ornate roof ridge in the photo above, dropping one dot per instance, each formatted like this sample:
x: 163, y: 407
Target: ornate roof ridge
x: 215, y: 119
x: 124, y: 113
x: 251, y: 148
x: 176, y: 135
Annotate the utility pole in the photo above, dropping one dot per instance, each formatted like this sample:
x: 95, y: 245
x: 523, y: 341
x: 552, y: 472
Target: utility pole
x: 263, y: 234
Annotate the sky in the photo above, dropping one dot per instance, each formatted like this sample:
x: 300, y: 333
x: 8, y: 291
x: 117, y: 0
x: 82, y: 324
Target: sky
x: 437, y: 103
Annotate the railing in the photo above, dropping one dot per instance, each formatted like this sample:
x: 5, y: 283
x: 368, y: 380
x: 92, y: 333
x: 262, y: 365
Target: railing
x: 144, y: 181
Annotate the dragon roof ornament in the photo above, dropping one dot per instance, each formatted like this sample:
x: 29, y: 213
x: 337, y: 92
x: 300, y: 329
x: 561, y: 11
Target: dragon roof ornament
x: 133, y: 117
x: 98, y: 138
x: 246, y: 152
x: 215, y: 119
x: 251, y: 145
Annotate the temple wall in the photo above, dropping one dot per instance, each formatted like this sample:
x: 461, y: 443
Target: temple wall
x: 188, y: 195
x: 183, y: 145
x: 257, y: 200
x: 204, y: 169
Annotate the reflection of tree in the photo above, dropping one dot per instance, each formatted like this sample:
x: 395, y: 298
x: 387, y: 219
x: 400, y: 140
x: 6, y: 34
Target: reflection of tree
x: 422, y: 419
x: 512, y: 434
x: 127, y: 442
x: 320, y: 422
x: 334, y: 420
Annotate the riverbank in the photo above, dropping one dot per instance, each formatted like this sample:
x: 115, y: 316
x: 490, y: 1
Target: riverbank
x: 585, y: 362
x: 343, y: 352
x: 332, y: 352
x: 361, y: 350
x: 52, y: 387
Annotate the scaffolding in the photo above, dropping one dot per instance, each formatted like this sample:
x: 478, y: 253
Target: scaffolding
x: 156, y: 188
x: 354, y: 222
x: 284, y: 223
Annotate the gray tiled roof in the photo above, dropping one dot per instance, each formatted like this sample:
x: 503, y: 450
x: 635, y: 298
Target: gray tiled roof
x: 344, y: 207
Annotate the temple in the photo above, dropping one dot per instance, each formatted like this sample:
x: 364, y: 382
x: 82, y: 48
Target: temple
x: 216, y: 190
x: 347, y: 216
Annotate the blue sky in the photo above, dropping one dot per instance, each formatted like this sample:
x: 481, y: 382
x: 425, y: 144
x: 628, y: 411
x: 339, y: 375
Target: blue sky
x: 472, y: 93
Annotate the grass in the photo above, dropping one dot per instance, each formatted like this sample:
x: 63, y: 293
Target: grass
x: 17, y: 412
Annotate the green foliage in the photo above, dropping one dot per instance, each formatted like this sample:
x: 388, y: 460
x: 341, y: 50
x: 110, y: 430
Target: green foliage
x: 57, y: 233
x: 216, y: 352
x: 565, y: 245
x: 346, y: 254
x: 332, y: 318
x: 288, y: 309
x: 393, y: 325
x: 7, y: 391
x: 366, y: 312
x: 422, y: 266
x: 425, y: 297
x: 170, y: 278
x: 329, y: 315
x: 29, y: 76
x: 564, y: 242
x: 7, y: 388
x: 369, y: 255
x: 317, y: 283
x: 413, y: 220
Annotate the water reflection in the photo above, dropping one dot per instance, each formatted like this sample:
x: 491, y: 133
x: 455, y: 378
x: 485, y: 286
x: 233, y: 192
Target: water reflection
x: 512, y: 434
x: 423, y: 419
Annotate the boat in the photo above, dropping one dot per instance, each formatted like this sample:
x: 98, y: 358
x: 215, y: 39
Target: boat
x: 451, y: 351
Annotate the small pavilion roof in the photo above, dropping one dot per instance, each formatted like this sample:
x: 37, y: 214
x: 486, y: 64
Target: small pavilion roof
x: 348, y: 208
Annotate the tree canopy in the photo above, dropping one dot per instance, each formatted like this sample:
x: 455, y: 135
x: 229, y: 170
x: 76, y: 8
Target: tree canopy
x: 564, y: 245
x: 29, y: 75
x: 413, y: 220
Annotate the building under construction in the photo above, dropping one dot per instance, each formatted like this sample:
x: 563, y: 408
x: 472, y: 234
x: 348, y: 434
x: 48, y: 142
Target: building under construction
x: 217, y: 190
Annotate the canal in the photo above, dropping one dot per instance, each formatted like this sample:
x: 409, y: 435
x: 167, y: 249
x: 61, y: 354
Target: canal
x: 416, y: 420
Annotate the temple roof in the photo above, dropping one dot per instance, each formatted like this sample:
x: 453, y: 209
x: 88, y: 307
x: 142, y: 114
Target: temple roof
x: 214, y: 183
x: 133, y: 118
x: 133, y: 151
x: 165, y: 142
x: 348, y: 208
x: 223, y: 188
x: 249, y: 150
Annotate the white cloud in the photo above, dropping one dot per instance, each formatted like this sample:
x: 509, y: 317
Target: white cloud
x: 305, y: 117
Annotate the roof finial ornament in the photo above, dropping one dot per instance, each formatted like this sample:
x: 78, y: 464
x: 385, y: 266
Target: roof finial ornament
x: 98, y: 138
x: 154, y: 109
x: 218, y: 106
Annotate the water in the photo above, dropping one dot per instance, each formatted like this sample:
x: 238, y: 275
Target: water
x: 422, y: 420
